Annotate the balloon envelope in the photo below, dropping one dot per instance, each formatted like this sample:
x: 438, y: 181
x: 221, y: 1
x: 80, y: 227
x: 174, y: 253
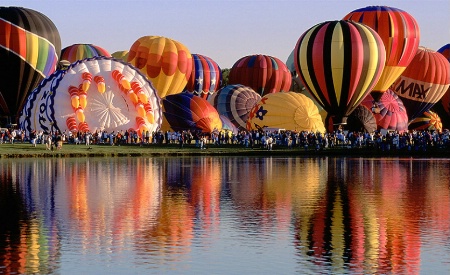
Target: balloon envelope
x: 205, y: 78
x: 361, y: 119
x: 427, y: 121
x: 339, y: 62
x: 29, y: 49
x: 235, y: 102
x: 289, y: 111
x: 189, y: 112
x: 227, y: 125
x: 400, y: 34
x: 424, y: 82
x: 445, y: 51
x: 77, y: 52
x: 90, y: 96
x: 166, y: 62
x: 390, y: 113
x: 122, y: 55
x: 263, y: 73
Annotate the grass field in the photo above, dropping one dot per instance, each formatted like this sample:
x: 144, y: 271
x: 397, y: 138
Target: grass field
x: 26, y: 150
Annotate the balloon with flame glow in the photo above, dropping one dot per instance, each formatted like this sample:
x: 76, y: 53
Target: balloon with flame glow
x: 264, y: 74
x: 339, y: 62
x: 190, y: 112
x: 400, y: 34
x: 77, y: 52
x: 29, y: 49
x: 235, y: 102
x: 205, y: 78
x: 424, y: 82
x: 95, y: 94
x: 290, y: 111
x: 166, y: 62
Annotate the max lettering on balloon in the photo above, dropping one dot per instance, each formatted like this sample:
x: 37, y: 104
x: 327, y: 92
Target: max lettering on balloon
x: 413, y: 90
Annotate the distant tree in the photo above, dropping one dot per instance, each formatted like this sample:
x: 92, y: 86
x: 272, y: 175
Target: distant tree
x: 225, y: 74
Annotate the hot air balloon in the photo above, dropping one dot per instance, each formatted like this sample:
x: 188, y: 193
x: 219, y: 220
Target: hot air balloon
x: 189, y: 112
x: 424, y: 82
x: 235, y: 102
x: 390, y: 113
x: 264, y: 74
x: 443, y: 106
x: 400, y: 34
x: 122, y: 55
x: 427, y: 121
x: 95, y: 94
x: 361, y: 119
x: 205, y: 78
x: 227, y: 125
x: 289, y: 111
x: 29, y: 49
x: 76, y: 52
x: 445, y: 51
x: 339, y: 62
x: 166, y: 62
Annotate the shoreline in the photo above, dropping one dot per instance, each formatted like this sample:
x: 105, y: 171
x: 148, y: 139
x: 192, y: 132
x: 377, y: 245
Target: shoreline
x: 26, y: 150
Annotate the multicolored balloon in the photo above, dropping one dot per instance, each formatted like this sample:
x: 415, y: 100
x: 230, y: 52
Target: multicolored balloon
x: 205, y: 78
x: 93, y: 94
x: 166, y: 62
x: 390, y: 113
x: 235, y: 102
x: 190, y: 112
x: 400, y: 34
x: 29, y: 49
x: 424, y: 82
x: 289, y: 111
x: 339, y: 62
x: 427, y: 121
x: 264, y: 74
x: 227, y: 125
x: 77, y: 52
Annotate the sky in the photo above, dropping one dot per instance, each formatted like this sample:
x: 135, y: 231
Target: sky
x: 224, y: 30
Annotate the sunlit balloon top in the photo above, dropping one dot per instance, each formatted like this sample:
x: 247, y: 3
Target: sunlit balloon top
x: 29, y: 49
x: 93, y: 94
x: 263, y: 73
x: 166, y: 62
x: 339, y: 62
x: 400, y: 34
x: 77, y: 52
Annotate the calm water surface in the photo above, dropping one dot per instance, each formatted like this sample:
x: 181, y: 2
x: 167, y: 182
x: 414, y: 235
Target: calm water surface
x: 234, y: 215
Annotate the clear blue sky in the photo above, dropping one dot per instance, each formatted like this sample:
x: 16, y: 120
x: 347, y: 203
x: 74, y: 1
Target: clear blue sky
x: 224, y: 30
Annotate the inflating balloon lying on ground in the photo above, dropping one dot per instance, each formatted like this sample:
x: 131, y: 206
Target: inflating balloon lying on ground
x: 93, y: 94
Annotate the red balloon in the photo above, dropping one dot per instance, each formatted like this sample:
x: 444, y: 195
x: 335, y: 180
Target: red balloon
x: 264, y: 74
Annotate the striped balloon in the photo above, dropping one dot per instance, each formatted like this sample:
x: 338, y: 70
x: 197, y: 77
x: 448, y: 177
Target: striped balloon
x: 400, y: 34
x: 235, y: 102
x: 339, y: 62
x: 77, y: 52
x: 29, y: 49
x: 427, y: 121
x: 424, y: 82
x: 205, y: 77
x: 264, y: 74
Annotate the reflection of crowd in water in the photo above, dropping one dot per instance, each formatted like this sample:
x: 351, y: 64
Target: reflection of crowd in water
x: 390, y: 140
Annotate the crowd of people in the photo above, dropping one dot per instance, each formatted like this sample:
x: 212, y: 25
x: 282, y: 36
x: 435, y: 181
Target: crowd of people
x: 264, y: 139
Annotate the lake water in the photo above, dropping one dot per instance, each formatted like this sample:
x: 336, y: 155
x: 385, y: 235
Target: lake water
x: 225, y: 215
